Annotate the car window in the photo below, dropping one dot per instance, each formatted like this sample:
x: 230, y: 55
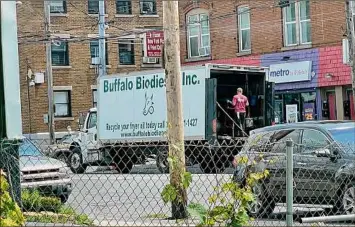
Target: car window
x: 92, y: 120
x: 27, y: 148
x: 314, y: 140
x: 258, y: 142
x: 280, y: 137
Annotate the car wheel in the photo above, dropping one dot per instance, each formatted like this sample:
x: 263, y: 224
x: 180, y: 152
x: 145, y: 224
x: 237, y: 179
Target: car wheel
x: 162, y: 161
x: 63, y: 198
x: 346, y: 202
x: 76, y: 162
x: 263, y: 205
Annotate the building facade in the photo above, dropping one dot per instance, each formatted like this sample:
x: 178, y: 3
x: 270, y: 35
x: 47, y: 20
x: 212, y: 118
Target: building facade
x: 235, y: 32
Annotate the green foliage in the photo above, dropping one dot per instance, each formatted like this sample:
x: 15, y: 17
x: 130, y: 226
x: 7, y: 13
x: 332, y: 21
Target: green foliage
x: 222, y: 210
x: 32, y: 201
x: 171, y: 193
x: 10, y: 212
x: 50, y: 210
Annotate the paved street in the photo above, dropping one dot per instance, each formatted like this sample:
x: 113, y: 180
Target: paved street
x: 113, y: 199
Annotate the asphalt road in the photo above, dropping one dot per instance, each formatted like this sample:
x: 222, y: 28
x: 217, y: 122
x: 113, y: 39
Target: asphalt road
x: 113, y: 199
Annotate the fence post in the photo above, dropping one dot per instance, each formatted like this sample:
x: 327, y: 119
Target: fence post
x: 289, y: 182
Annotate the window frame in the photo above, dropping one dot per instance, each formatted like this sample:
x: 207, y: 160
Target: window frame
x: 298, y: 23
x: 199, y: 13
x: 131, y: 44
x: 98, y: 7
x: 129, y: 9
x: 64, y: 5
x: 141, y: 2
x: 66, y: 54
x: 240, y: 29
x: 94, y: 103
x: 106, y: 50
x: 69, y: 104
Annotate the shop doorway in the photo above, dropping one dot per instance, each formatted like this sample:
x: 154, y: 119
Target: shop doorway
x: 352, y: 108
x: 306, y: 105
x: 332, y: 105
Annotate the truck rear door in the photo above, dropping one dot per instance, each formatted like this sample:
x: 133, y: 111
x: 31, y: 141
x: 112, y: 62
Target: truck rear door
x: 211, y: 108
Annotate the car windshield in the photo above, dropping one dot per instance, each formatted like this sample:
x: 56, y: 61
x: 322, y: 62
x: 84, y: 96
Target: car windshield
x: 345, y: 137
x: 27, y: 148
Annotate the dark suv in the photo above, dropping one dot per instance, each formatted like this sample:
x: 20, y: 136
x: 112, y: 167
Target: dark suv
x: 324, y: 165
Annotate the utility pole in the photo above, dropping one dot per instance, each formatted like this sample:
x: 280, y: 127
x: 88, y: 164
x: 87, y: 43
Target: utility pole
x: 174, y: 105
x: 350, y: 35
x: 102, y: 48
x: 49, y: 74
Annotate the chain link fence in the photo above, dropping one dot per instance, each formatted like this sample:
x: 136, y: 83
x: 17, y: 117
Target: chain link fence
x: 228, y: 182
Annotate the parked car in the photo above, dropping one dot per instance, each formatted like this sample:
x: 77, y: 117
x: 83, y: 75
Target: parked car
x: 324, y: 165
x: 47, y: 175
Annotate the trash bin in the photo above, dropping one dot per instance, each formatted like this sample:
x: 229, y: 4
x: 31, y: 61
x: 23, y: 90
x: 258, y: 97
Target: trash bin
x: 10, y: 163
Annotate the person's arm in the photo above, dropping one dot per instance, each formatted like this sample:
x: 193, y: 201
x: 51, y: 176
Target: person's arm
x: 234, y: 102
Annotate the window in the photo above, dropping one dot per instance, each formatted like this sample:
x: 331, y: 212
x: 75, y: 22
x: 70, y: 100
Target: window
x: 94, y: 98
x: 314, y: 140
x: 297, y: 23
x: 92, y: 120
x: 148, y: 7
x: 58, y: 6
x: 198, y: 30
x: 60, y: 54
x: 94, y: 50
x: 126, y: 52
x: 280, y: 137
x: 62, y: 104
x: 244, y: 28
x: 93, y: 6
x: 123, y: 7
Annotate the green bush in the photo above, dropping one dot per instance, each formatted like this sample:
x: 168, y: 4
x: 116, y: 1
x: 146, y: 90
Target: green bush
x: 10, y: 212
x: 32, y: 201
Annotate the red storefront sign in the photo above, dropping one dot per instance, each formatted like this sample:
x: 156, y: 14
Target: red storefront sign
x: 154, y: 42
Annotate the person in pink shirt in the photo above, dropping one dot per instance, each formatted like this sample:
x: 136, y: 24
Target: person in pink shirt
x: 240, y: 103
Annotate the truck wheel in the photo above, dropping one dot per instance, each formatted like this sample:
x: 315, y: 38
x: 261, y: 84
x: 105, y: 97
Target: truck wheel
x: 124, y: 167
x: 76, y: 161
x: 162, y: 161
x: 209, y: 165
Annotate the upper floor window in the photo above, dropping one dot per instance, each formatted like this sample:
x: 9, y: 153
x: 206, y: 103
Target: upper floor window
x: 244, y: 28
x: 198, y: 34
x: 297, y: 23
x: 60, y: 54
x: 94, y: 50
x: 93, y: 6
x: 123, y: 6
x: 58, y: 6
x: 62, y: 104
x: 148, y: 7
x: 126, y: 52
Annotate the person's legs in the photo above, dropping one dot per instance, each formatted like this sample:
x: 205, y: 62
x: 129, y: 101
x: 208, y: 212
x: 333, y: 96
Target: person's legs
x: 242, y: 121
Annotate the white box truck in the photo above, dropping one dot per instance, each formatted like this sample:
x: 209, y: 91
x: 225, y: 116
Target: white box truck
x: 130, y: 121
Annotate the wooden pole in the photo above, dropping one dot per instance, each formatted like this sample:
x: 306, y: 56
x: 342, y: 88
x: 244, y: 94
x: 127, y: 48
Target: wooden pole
x: 174, y: 105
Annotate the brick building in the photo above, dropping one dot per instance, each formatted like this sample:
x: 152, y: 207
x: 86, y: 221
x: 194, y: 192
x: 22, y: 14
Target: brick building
x: 237, y: 32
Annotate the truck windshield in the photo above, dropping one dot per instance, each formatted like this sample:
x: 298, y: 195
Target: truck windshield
x: 345, y: 137
x: 92, y: 120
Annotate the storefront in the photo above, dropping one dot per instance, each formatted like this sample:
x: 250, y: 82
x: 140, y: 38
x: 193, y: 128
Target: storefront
x: 334, y: 82
x: 295, y: 75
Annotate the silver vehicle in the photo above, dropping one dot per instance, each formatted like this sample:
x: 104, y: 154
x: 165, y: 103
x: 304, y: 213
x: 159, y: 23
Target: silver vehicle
x: 47, y: 175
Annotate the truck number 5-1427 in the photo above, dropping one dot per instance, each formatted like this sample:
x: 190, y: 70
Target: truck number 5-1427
x: 190, y: 122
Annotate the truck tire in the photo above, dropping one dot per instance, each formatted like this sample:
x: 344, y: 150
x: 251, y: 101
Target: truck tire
x: 76, y: 161
x: 124, y: 167
x: 209, y: 165
x: 162, y: 161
